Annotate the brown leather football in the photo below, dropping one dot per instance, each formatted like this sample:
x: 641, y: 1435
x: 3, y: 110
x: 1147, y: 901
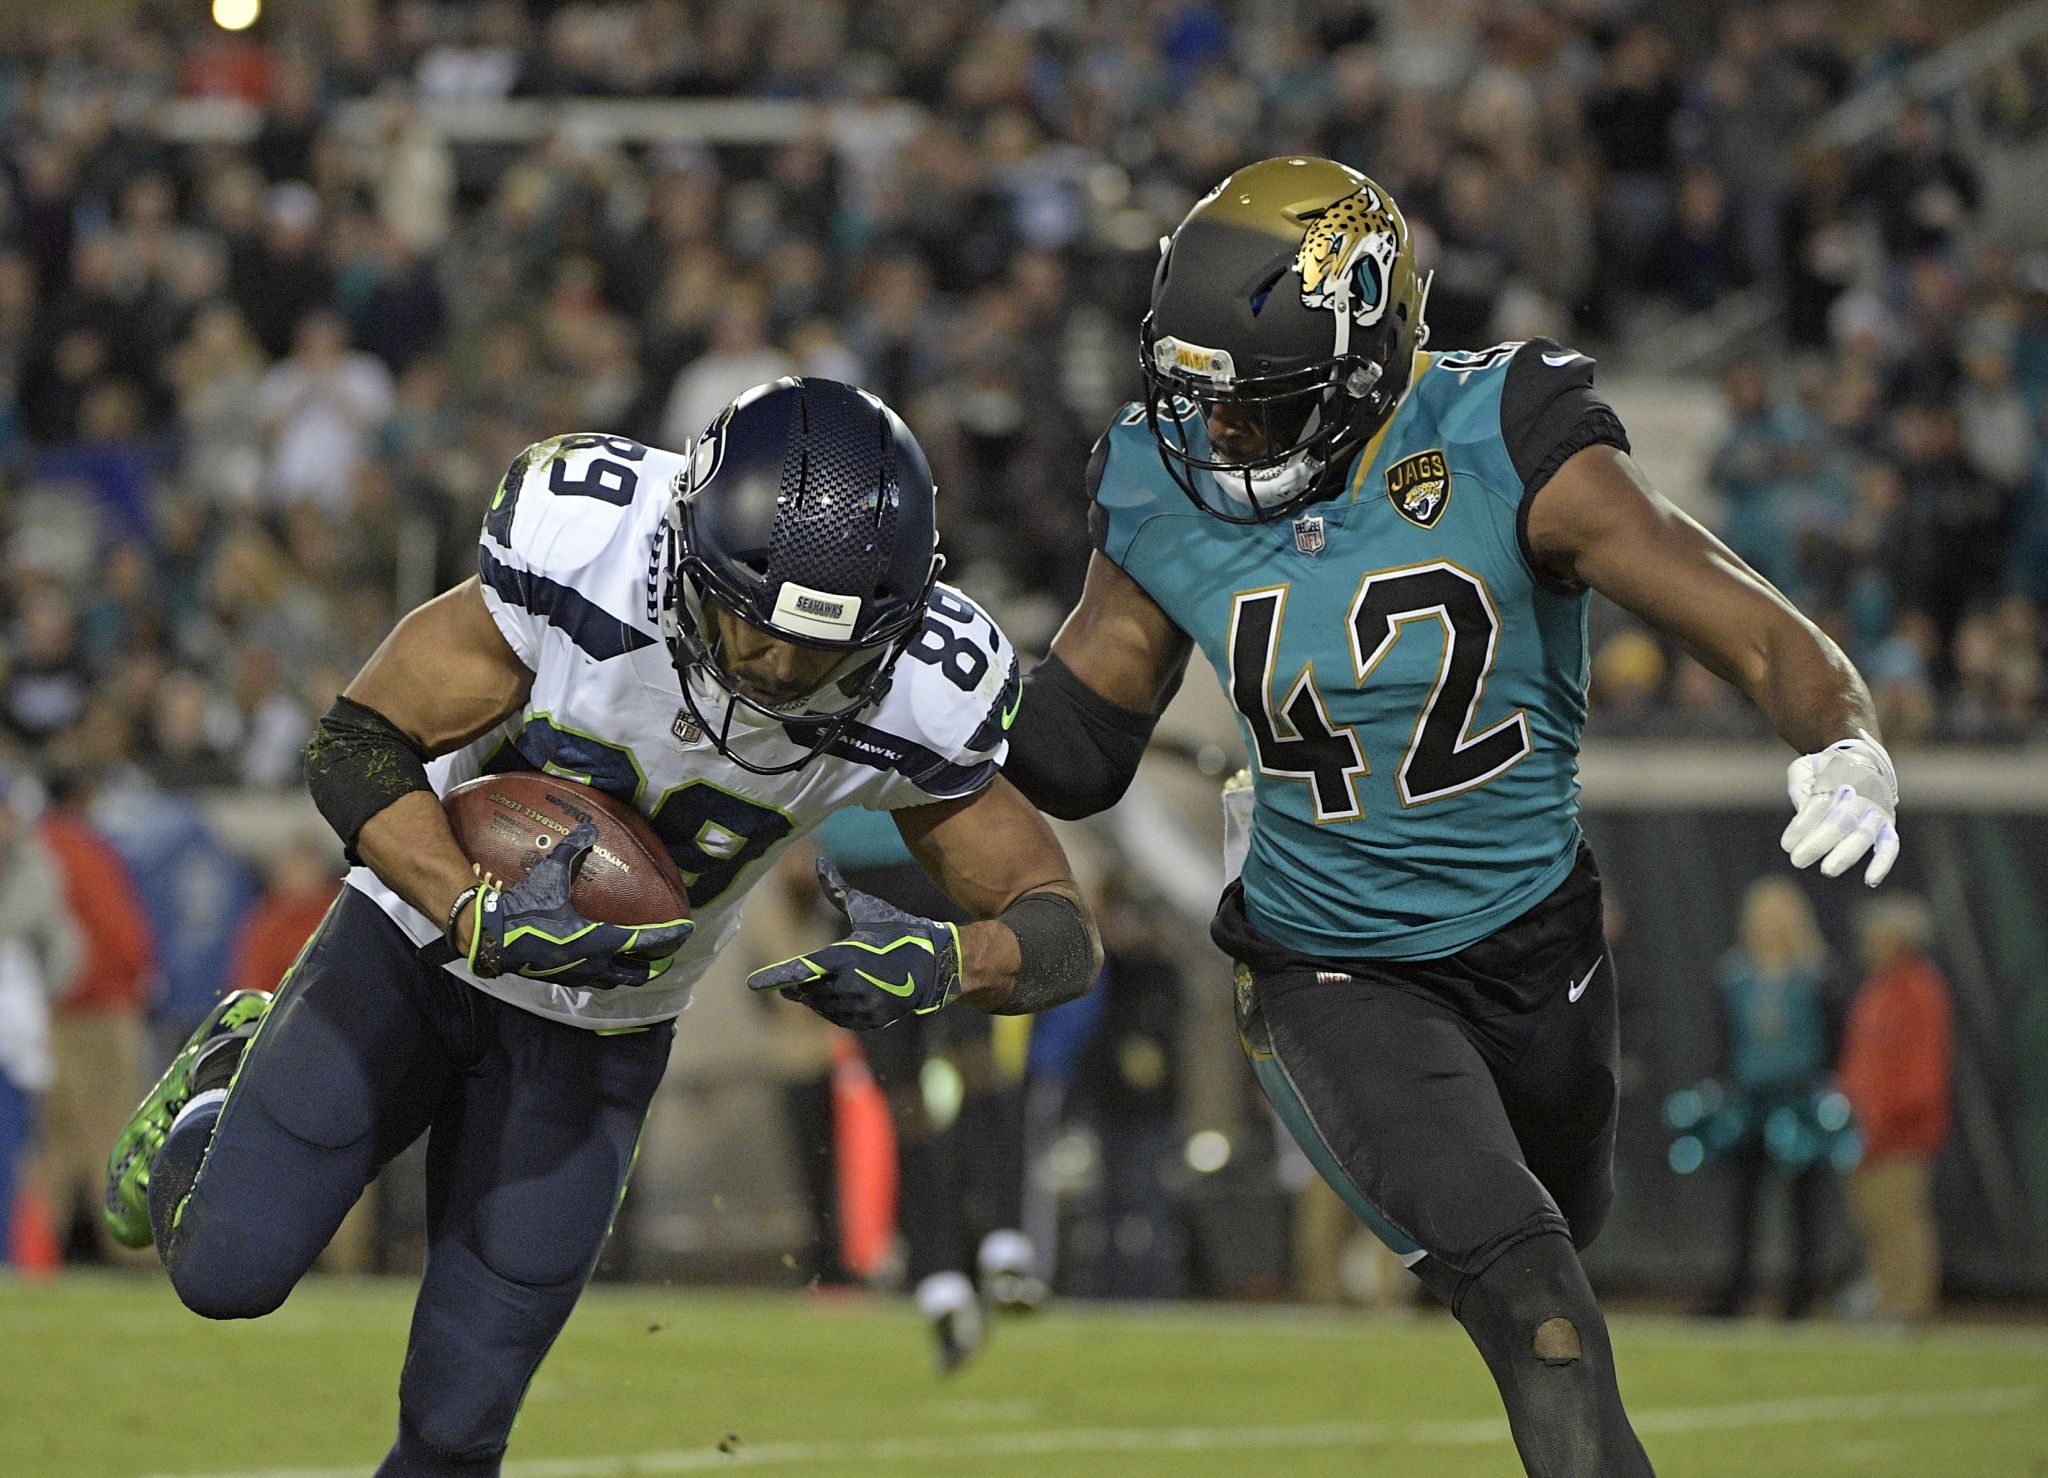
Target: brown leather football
x: 508, y: 823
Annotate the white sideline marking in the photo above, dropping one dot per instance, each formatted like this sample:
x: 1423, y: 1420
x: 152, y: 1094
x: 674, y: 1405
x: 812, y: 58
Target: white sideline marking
x: 1789, y: 1411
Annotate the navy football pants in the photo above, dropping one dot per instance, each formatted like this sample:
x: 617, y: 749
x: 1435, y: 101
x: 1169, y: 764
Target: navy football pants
x: 531, y: 1131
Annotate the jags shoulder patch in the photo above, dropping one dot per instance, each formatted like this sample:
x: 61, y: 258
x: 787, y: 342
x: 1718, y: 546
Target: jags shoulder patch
x: 1419, y: 487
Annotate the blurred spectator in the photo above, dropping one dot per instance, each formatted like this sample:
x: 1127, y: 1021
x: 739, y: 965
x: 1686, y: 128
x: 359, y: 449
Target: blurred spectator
x: 1473, y: 258
x: 280, y: 275
x: 193, y: 889
x: 323, y: 406
x: 1778, y: 1042
x: 1898, y: 671
x: 1897, y: 1058
x: 98, y: 1040
x: 1128, y: 1091
x: 1954, y: 526
x: 964, y: 218
x: 184, y: 744
x: 1745, y: 466
x: 1917, y: 190
x: 46, y: 681
x: 40, y: 950
x: 1630, y: 113
x: 1699, y: 255
x: 801, y: 1046
x: 1825, y: 249
x: 300, y: 883
x: 215, y: 372
x: 109, y: 459
x: 738, y: 358
x: 1628, y: 673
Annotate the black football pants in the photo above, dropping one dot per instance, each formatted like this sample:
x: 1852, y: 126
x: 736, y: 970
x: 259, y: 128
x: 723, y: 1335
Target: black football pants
x: 1464, y: 1108
x: 531, y: 1127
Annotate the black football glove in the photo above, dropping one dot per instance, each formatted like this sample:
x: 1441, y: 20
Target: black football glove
x: 894, y: 964
x: 529, y: 929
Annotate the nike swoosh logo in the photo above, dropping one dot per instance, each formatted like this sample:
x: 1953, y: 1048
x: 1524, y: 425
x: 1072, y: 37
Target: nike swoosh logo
x: 1010, y: 713
x: 909, y: 983
x: 1559, y: 361
x: 1584, y: 980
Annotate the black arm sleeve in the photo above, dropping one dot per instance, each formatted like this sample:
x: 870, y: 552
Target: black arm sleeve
x: 1056, y: 957
x: 1548, y: 411
x: 1072, y: 751
x: 357, y: 763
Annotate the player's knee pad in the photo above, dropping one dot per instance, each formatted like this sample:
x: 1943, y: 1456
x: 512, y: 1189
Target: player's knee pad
x: 1532, y: 1314
x: 1531, y: 1301
x: 214, y: 1282
x: 210, y: 1275
x: 417, y: 1456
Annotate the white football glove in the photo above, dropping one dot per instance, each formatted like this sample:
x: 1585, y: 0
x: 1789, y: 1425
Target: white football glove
x: 1844, y: 800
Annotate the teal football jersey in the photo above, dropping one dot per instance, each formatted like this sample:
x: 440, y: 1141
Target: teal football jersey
x: 1410, y: 690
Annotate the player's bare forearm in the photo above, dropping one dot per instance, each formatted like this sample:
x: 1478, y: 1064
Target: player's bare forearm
x: 1810, y: 690
x: 411, y: 847
x: 444, y: 676
x: 1118, y: 641
x: 1599, y: 521
x: 988, y: 852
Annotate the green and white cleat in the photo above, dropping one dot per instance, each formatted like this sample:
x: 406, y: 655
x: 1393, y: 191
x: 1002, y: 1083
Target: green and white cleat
x: 126, y: 1210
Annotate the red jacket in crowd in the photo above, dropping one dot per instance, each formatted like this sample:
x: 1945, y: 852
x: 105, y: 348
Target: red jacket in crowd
x: 118, y: 951
x: 272, y: 935
x: 1896, y: 1059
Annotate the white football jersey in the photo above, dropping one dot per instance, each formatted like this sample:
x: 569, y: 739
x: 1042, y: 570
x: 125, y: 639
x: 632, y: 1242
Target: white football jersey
x: 567, y: 563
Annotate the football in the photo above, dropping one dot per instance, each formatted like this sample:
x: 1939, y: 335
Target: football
x: 508, y: 823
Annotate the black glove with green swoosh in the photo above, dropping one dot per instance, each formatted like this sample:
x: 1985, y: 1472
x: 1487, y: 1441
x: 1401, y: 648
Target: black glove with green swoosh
x: 894, y: 964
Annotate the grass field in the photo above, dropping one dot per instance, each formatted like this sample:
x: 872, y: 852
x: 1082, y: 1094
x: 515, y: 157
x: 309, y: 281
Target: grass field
x: 110, y: 1378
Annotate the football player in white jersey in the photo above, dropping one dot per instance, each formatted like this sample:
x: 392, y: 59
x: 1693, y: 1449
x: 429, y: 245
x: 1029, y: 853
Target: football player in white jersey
x: 737, y: 640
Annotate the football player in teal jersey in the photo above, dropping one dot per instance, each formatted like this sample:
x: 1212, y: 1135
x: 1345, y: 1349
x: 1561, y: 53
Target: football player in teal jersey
x: 1386, y: 553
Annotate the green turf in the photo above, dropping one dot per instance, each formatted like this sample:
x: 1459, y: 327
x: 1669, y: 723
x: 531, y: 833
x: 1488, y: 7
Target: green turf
x: 111, y: 1377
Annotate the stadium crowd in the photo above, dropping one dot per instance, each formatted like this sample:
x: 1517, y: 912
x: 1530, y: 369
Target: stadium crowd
x: 256, y: 384
x: 252, y: 394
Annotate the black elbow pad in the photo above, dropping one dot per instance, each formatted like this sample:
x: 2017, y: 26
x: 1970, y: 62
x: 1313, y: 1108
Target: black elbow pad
x: 1072, y: 751
x: 358, y: 763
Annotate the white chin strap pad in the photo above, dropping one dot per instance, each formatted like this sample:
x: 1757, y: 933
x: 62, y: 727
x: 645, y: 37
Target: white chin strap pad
x: 1272, y: 484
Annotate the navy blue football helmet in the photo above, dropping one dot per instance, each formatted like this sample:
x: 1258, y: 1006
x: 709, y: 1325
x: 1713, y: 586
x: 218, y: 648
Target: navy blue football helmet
x: 808, y: 511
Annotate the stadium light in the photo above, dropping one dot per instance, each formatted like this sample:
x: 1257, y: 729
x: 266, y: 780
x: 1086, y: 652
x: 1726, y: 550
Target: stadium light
x: 1208, y: 1152
x: 236, y: 15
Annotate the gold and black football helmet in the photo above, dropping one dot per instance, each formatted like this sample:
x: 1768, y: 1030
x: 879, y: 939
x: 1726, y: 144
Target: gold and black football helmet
x: 1290, y: 295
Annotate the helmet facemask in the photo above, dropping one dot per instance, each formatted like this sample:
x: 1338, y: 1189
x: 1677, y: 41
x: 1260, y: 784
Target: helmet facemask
x: 717, y: 698
x: 1306, y: 424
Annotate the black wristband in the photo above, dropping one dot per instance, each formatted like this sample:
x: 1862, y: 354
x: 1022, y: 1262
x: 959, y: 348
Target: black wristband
x: 1057, y: 955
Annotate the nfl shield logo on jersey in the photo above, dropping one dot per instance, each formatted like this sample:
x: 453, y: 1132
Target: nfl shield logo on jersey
x: 1308, y: 533
x: 685, y: 728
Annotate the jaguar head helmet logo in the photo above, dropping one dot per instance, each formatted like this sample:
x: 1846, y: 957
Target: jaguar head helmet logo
x: 1347, y: 257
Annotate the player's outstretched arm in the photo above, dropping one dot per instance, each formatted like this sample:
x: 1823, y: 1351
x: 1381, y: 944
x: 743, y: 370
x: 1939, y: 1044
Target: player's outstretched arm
x: 1598, y: 522
x: 1033, y: 945
x: 1088, y: 710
